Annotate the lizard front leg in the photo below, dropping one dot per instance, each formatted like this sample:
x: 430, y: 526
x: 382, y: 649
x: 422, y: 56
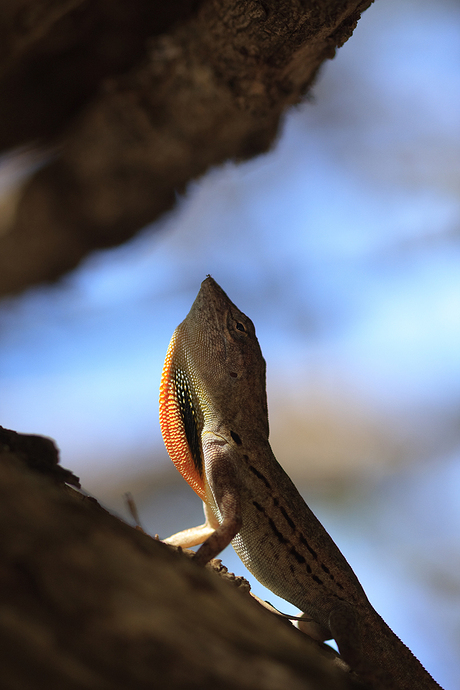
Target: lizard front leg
x: 223, y: 493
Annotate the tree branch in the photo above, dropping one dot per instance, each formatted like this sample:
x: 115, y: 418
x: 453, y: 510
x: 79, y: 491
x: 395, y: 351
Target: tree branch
x: 211, y: 86
x: 86, y: 601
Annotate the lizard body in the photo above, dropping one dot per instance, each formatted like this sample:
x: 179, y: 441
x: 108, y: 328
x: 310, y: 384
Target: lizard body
x: 214, y: 420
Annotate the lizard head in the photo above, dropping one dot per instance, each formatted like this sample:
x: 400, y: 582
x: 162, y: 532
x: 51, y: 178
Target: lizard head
x: 213, y: 380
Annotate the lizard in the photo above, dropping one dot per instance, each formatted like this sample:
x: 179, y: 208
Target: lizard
x: 214, y: 422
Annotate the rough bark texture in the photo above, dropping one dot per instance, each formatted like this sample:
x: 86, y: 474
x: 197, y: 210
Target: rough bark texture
x: 138, y: 98
x: 88, y: 602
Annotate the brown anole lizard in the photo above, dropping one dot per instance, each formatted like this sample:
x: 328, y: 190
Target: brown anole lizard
x: 214, y: 421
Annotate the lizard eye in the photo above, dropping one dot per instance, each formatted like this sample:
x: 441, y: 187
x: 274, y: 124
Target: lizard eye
x: 240, y: 327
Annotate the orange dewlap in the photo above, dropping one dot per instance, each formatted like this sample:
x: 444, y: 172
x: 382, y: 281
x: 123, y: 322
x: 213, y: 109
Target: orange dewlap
x: 172, y: 426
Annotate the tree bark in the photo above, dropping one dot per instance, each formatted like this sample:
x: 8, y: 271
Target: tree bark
x: 88, y: 602
x: 135, y: 100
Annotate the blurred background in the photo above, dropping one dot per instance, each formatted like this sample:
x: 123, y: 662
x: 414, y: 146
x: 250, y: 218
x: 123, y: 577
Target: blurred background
x: 343, y: 246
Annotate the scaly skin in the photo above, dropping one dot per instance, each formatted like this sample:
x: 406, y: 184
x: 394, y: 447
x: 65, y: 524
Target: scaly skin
x: 213, y: 416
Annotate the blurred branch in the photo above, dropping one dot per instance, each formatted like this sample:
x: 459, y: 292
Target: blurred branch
x: 86, y: 601
x: 138, y: 98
